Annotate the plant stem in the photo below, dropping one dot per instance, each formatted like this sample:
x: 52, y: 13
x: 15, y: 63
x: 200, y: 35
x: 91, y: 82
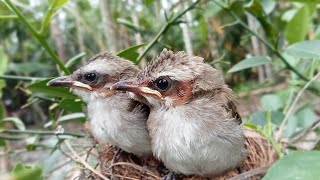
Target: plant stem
x: 266, y: 43
x: 38, y: 36
x: 39, y: 132
x: 164, y: 28
x: 285, y: 120
x: 23, y: 78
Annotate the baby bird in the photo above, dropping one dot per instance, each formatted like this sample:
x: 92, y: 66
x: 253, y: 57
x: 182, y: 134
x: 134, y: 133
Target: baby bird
x: 114, y: 118
x: 194, y: 125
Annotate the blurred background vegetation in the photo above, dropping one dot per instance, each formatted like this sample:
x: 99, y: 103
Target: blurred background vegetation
x: 268, y: 51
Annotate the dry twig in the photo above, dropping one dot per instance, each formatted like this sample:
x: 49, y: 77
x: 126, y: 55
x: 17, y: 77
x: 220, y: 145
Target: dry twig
x: 83, y: 162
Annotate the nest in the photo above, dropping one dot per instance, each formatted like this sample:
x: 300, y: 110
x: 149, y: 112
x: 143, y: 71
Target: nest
x: 261, y: 155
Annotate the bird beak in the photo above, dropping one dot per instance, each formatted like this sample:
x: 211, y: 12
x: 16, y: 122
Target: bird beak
x: 68, y: 81
x: 138, y: 87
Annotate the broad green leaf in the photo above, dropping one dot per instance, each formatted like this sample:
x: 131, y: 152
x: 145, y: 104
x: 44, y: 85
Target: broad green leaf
x: 298, y: 27
x: 250, y: 62
x: 41, y: 88
x: 305, y: 49
x: 296, y: 165
x: 271, y: 102
x: 73, y: 105
x: 130, y: 53
x: 16, y: 121
x: 306, y: 117
x: 22, y: 172
x: 75, y: 59
x: 259, y: 118
x: 73, y: 116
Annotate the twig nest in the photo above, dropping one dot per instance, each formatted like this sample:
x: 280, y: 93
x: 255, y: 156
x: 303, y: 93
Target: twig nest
x: 261, y: 155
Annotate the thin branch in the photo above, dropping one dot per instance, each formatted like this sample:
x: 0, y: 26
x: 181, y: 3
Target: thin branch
x: 281, y: 128
x: 251, y: 173
x: 164, y: 29
x: 83, y: 162
x: 305, y: 132
x: 39, y: 132
x: 38, y: 36
x: 23, y: 78
x: 135, y: 167
x: 265, y: 42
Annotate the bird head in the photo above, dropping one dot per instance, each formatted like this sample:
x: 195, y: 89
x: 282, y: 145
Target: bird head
x: 172, y: 79
x: 93, y: 80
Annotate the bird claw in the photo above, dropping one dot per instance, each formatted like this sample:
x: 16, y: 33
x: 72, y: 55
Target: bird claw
x: 170, y: 176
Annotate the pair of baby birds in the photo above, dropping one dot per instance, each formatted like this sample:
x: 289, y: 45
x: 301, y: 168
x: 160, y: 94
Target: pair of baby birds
x: 177, y: 109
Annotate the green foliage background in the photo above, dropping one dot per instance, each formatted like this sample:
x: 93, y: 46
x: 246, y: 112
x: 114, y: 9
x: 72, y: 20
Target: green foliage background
x: 220, y: 32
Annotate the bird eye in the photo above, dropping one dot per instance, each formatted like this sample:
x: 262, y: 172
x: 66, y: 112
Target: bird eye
x: 90, y: 77
x: 162, y: 84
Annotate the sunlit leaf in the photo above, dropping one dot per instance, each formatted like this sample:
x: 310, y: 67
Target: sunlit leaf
x: 16, y: 121
x: 305, y: 49
x: 130, y: 53
x: 58, y: 3
x: 250, y: 62
x: 296, y: 165
x: 298, y: 26
x: 22, y: 172
x: 41, y: 88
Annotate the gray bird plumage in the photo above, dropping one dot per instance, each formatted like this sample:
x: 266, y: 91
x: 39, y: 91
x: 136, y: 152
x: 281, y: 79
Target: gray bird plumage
x: 113, y: 117
x: 194, y: 125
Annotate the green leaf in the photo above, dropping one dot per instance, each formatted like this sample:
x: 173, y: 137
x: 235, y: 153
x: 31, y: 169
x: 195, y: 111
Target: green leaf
x: 250, y: 62
x: 306, y: 117
x: 75, y: 59
x: 255, y: 8
x: 22, y: 172
x: 305, y: 49
x: 271, y: 102
x: 147, y: 2
x: 130, y: 53
x: 40, y: 88
x: 259, y: 118
x: 73, y: 116
x: 298, y: 27
x: 73, y: 105
x: 16, y: 121
x: 58, y: 3
x: 296, y: 165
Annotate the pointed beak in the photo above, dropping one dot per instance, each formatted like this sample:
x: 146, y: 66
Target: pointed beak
x: 68, y: 81
x: 138, y: 87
